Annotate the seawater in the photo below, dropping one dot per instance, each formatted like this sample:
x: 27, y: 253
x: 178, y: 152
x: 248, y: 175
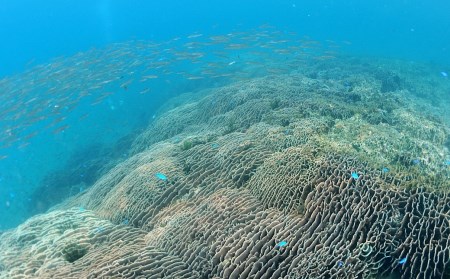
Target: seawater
x: 80, y: 80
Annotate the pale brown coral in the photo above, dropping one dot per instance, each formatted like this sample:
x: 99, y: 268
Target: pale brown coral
x: 244, y: 175
x: 108, y: 251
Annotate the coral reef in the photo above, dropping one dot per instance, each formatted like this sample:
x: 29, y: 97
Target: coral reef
x: 324, y: 175
x: 76, y: 244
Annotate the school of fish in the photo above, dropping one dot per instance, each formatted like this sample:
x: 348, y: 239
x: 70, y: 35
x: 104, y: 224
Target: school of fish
x: 42, y: 98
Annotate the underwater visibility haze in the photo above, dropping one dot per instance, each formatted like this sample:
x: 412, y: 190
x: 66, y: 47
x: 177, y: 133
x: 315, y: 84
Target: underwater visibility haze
x: 224, y: 139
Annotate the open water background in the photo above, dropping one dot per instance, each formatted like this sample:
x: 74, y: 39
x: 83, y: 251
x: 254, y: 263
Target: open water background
x: 35, y: 32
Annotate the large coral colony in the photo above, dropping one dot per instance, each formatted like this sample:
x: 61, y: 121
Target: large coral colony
x: 336, y: 170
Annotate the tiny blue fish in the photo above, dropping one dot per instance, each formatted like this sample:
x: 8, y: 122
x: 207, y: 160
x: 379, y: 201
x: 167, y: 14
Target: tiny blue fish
x: 415, y: 161
x: 81, y: 209
x: 214, y: 145
x: 402, y: 261
x: 355, y: 175
x: 444, y: 74
x: 125, y: 222
x: 385, y: 170
x: 161, y: 176
x: 282, y: 243
x: 447, y: 162
x: 340, y: 263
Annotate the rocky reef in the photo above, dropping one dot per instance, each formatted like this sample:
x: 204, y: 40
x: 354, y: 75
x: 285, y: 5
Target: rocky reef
x: 336, y: 170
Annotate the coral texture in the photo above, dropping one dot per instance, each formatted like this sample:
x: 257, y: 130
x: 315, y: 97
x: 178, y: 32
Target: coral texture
x: 278, y: 177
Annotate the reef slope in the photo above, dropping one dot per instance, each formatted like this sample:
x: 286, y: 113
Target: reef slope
x: 337, y: 170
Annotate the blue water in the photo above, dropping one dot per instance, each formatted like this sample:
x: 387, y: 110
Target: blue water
x: 35, y: 32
